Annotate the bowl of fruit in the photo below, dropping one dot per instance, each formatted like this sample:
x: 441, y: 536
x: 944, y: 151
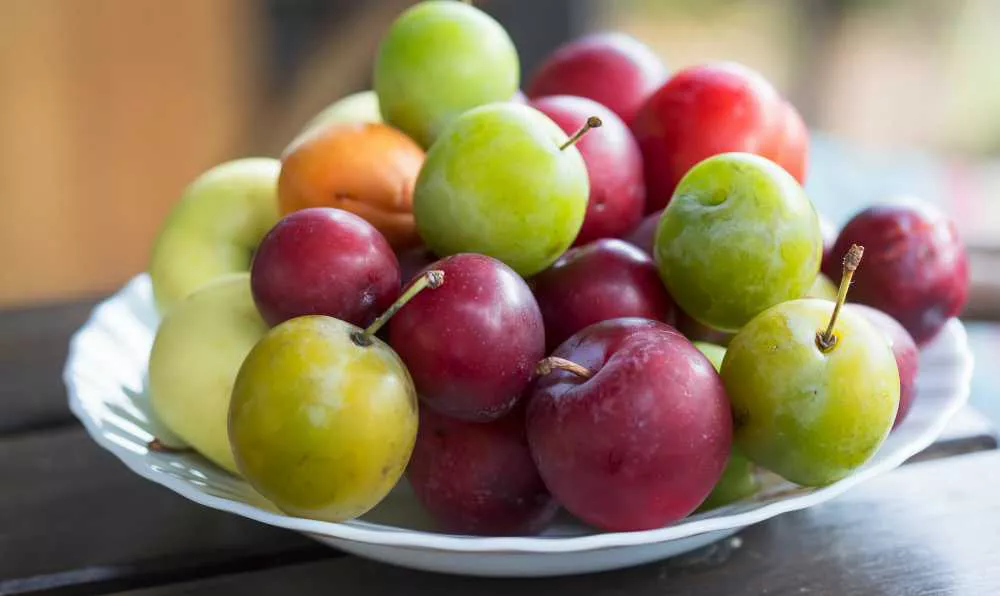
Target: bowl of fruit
x: 461, y: 329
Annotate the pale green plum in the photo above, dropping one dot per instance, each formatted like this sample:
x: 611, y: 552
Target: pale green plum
x: 738, y: 480
x: 355, y: 108
x: 439, y: 59
x: 738, y: 236
x: 822, y: 288
x: 198, y: 350
x: 812, y: 416
x: 497, y: 183
x: 320, y: 425
x: 214, y: 228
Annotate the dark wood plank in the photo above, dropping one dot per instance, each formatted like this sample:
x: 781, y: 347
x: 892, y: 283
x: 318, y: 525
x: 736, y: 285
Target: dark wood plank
x: 968, y: 432
x: 930, y: 528
x: 73, y: 517
x: 33, y: 345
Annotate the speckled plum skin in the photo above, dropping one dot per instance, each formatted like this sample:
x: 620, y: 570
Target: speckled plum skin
x: 613, y: 69
x: 811, y: 417
x: 739, y: 236
x: 642, y: 442
x: 479, y: 478
x: 903, y: 348
x: 614, y: 166
x: 607, y: 279
x: 496, y: 183
x: 471, y: 345
x: 915, y: 268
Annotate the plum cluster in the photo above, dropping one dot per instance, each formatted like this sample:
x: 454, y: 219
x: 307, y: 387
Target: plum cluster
x: 610, y: 295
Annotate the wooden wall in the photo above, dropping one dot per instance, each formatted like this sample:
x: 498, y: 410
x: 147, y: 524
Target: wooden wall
x: 107, y: 109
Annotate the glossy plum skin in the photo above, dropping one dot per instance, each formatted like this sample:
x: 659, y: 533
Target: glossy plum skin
x: 613, y: 69
x: 710, y: 109
x: 497, y: 183
x: 903, y: 348
x: 915, y: 268
x: 607, y: 279
x: 740, y: 236
x: 644, y: 235
x: 642, y: 442
x: 479, y: 478
x: 324, y: 261
x: 809, y: 416
x: 471, y: 345
x: 614, y: 166
x: 438, y: 60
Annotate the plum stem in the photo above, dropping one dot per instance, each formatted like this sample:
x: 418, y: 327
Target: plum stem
x: 547, y: 365
x: 592, y: 122
x: 826, y: 340
x: 429, y: 279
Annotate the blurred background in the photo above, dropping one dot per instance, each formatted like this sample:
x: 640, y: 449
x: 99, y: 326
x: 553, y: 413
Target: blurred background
x: 109, y: 107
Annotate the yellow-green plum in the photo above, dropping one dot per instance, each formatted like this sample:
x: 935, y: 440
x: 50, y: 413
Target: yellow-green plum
x: 198, y: 350
x: 323, y: 416
x: 214, y: 228
x: 738, y: 480
x: 738, y: 236
x: 823, y: 288
x: 504, y: 181
x: 439, y: 59
x: 813, y: 394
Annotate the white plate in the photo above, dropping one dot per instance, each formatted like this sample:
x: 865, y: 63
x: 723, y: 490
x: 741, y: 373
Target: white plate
x: 105, y: 379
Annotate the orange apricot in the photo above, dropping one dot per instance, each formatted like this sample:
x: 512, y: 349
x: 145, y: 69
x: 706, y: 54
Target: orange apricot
x: 368, y: 169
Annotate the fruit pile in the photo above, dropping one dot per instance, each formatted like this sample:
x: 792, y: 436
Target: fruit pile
x: 523, y: 302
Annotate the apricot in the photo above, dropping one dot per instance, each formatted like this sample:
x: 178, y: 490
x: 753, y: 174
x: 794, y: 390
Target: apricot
x: 369, y: 169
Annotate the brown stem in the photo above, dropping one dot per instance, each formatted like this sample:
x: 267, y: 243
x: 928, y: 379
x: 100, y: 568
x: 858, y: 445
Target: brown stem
x: 547, y: 365
x: 592, y: 122
x: 159, y: 446
x: 429, y: 279
x: 826, y: 340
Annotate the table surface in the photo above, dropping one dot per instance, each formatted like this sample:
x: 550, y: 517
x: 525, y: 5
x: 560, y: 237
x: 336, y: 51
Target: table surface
x: 931, y: 527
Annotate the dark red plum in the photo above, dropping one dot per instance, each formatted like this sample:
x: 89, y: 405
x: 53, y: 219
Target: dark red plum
x: 614, y: 166
x: 638, y: 435
x: 644, y: 235
x: 607, y: 279
x: 905, y: 351
x: 324, y: 261
x: 479, y: 478
x: 916, y: 269
x: 471, y: 345
x: 613, y: 69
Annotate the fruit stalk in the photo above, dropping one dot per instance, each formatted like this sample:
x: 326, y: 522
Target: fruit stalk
x: 429, y: 279
x: 826, y: 340
x: 592, y: 122
x: 547, y: 365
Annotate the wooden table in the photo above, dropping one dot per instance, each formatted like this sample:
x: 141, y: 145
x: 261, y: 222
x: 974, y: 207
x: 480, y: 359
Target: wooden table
x: 930, y: 527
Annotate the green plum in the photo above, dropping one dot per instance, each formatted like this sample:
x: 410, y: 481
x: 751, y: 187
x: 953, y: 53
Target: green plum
x: 504, y: 181
x: 738, y: 480
x: 814, y: 389
x: 439, y: 59
x: 823, y: 288
x: 738, y: 236
x: 323, y: 415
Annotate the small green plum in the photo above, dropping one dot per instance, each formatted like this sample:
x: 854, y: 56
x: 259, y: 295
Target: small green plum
x: 439, y: 59
x: 814, y: 389
x: 739, y: 236
x: 738, y: 480
x: 503, y: 181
